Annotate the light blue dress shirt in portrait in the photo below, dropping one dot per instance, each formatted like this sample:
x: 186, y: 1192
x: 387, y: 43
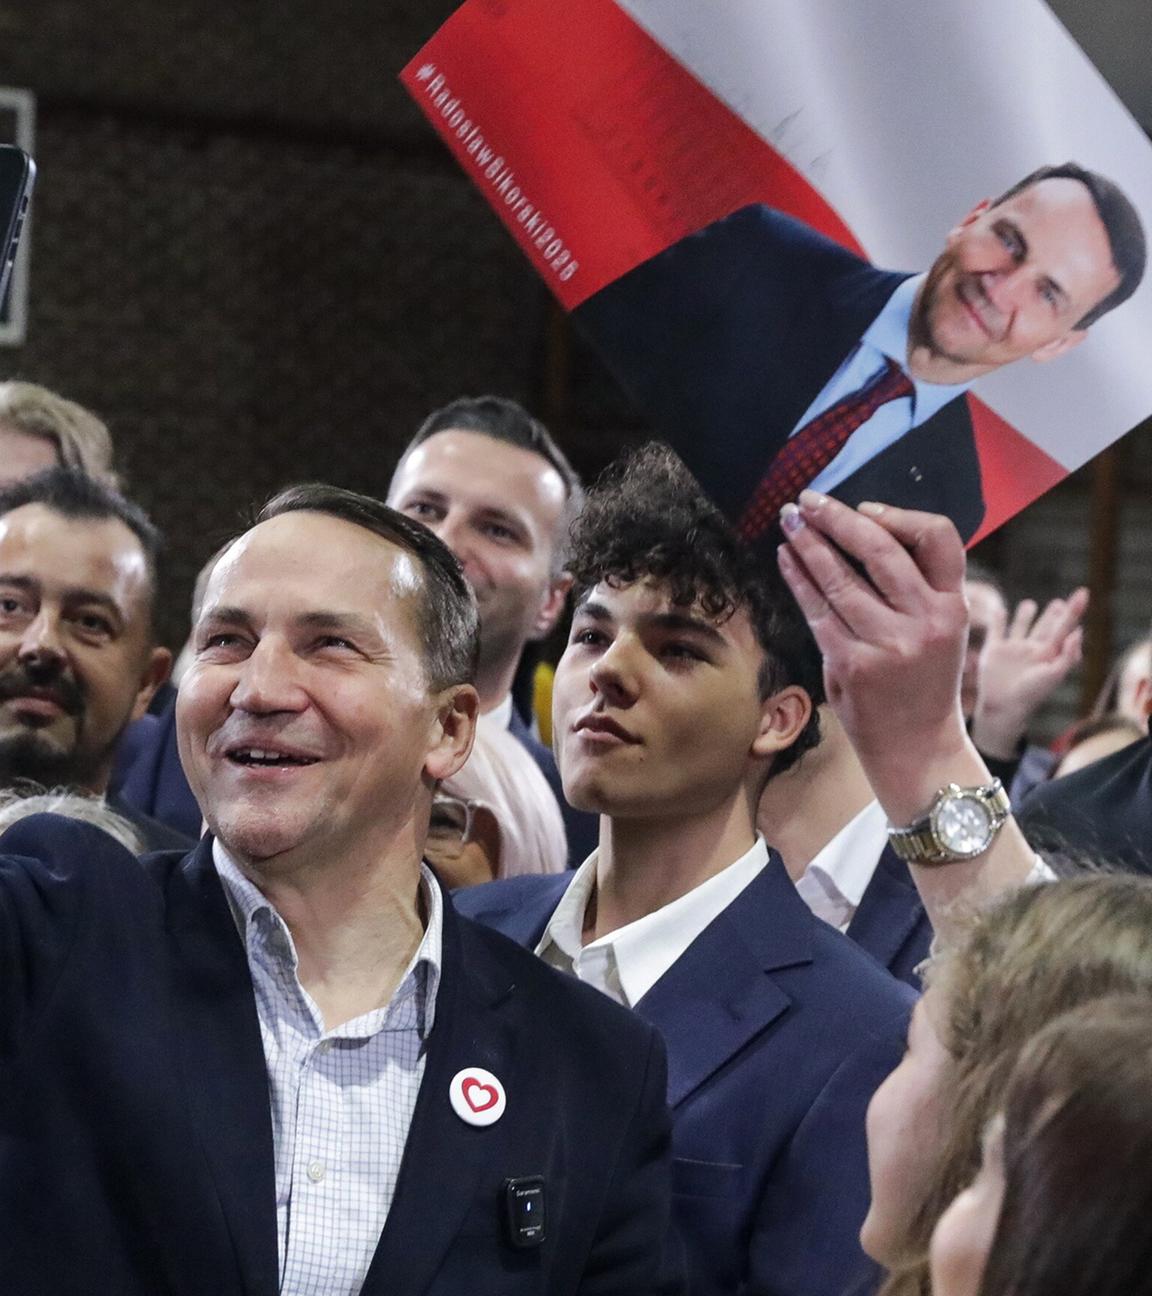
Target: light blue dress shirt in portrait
x: 885, y: 339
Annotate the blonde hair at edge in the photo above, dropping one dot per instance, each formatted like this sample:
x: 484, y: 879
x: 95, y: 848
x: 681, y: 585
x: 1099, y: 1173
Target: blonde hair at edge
x: 81, y: 439
x: 72, y: 805
x: 1037, y: 953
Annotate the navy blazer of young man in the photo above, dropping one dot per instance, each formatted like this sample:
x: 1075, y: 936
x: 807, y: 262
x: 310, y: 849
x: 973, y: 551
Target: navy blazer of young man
x: 778, y: 1032
x: 725, y: 338
x: 136, y: 1152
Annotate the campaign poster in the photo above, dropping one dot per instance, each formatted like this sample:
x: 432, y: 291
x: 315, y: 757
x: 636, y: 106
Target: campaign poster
x: 797, y: 232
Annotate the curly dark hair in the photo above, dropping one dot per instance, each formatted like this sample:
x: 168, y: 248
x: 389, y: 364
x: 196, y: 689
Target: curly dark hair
x: 648, y: 517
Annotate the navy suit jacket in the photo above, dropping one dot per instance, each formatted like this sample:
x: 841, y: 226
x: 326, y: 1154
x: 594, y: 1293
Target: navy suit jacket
x: 891, y: 922
x: 724, y: 340
x: 136, y: 1152
x: 149, y: 776
x: 155, y: 835
x: 778, y: 1031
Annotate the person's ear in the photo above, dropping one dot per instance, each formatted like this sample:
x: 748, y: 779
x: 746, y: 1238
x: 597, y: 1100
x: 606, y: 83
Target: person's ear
x: 1060, y: 346
x: 551, y: 605
x: 156, y: 670
x: 974, y: 215
x: 783, y: 716
x: 454, y: 730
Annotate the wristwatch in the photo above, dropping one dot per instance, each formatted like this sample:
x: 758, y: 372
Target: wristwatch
x: 961, y: 822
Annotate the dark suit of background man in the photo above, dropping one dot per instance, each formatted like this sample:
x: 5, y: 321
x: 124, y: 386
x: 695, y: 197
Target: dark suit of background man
x: 735, y: 337
x: 78, y: 661
x: 232, y: 1072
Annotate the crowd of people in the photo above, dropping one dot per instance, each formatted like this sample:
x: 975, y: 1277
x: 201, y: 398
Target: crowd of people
x: 321, y: 973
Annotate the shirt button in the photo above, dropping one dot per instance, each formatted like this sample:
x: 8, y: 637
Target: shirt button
x: 325, y: 1046
x: 316, y: 1171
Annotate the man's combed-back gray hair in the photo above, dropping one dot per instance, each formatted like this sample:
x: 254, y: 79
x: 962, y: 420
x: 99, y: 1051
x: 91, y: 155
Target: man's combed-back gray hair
x: 447, y: 618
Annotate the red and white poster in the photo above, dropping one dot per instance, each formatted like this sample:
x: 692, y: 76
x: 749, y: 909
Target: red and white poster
x: 796, y: 231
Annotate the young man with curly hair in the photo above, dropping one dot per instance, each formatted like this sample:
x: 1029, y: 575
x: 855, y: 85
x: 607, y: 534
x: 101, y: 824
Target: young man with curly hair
x: 684, y: 687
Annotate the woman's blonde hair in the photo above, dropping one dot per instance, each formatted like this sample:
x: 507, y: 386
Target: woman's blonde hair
x: 1078, y: 1158
x: 1037, y: 953
x: 81, y: 439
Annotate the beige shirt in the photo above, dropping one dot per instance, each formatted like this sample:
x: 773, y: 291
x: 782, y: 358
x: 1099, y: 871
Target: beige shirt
x: 502, y: 774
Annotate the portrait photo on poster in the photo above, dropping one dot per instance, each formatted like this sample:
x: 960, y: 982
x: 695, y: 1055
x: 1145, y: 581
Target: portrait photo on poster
x: 882, y: 250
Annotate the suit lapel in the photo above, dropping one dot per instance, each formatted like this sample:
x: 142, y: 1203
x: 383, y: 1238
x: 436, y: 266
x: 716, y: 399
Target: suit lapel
x: 830, y: 329
x: 801, y: 353
x: 889, y: 910
x: 720, y: 994
x: 934, y: 467
x: 443, y: 1156
x: 524, y: 918
x: 223, y: 1061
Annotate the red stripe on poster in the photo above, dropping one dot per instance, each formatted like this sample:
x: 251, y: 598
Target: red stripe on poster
x: 1014, y: 470
x: 595, y: 146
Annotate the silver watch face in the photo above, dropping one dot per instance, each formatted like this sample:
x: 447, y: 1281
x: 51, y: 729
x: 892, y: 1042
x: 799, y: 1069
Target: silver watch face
x: 963, y: 825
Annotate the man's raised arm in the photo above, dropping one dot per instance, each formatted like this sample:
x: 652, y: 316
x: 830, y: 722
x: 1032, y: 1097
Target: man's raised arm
x: 893, y: 645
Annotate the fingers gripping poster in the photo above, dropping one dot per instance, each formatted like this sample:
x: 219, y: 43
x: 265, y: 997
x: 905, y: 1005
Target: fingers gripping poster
x: 894, y: 250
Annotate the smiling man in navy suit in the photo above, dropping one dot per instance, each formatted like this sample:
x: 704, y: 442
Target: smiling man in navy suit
x: 280, y: 1063
x: 740, y: 336
x: 680, y: 692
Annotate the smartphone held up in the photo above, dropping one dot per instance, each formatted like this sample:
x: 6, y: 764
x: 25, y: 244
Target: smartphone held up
x: 17, y: 176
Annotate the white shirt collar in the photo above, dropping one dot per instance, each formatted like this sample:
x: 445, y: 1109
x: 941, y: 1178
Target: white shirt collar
x: 627, y: 963
x: 834, y: 882
x: 888, y: 334
x: 247, y: 901
x: 499, y: 717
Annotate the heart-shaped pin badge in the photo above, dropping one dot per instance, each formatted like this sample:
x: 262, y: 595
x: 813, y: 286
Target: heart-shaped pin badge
x: 477, y: 1097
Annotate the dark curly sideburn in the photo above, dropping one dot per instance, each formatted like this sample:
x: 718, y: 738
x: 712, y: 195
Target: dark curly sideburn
x: 648, y: 517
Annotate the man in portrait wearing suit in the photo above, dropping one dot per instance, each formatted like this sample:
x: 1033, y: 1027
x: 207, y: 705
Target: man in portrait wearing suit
x: 281, y: 1063
x: 773, y: 358
x: 680, y: 692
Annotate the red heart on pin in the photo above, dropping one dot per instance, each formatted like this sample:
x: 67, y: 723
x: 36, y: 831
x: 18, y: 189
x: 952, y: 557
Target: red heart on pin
x: 478, y: 1095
